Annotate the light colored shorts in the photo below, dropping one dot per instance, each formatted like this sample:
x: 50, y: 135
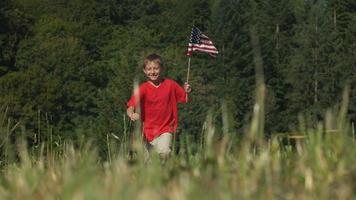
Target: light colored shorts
x: 161, y: 144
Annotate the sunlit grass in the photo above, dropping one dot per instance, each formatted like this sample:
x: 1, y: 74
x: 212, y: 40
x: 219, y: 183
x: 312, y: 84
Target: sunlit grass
x: 318, y: 164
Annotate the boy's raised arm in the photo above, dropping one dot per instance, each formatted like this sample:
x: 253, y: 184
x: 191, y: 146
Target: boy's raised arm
x: 182, y: 92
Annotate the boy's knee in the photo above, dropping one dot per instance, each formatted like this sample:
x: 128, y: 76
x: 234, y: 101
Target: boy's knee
x: 164, y: 150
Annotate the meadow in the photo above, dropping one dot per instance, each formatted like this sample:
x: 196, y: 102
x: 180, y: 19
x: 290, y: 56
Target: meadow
x: 317, y: 162
x: 66, y: 73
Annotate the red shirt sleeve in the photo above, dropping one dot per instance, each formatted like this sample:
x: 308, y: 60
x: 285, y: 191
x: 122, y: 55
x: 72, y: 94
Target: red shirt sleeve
x: 136, y: 97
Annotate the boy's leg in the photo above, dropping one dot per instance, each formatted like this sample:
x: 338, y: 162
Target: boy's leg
x: 148, y: 149
x: 162, y: 144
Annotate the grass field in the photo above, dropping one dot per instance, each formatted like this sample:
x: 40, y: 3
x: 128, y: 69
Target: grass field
x: 318, y: 163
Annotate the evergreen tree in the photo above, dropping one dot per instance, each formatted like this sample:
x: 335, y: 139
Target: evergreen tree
x: 15, y: 24
x: 342, y: 46
x: 274, y: 21
x: 232, y: 23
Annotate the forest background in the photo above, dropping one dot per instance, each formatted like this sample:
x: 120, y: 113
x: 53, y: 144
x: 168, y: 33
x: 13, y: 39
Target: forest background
x: 67, y: 67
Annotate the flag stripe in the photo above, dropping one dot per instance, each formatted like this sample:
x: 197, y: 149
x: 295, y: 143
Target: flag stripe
x: 204, y: 37
x: 206, y: 42
x: 205, y: 50
x: 203, y: 46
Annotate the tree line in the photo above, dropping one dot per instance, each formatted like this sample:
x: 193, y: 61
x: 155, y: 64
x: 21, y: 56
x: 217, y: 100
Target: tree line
x: 69, y: 65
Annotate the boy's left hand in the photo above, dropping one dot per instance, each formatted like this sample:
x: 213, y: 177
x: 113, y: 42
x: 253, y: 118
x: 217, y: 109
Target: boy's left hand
x: 187, y: 87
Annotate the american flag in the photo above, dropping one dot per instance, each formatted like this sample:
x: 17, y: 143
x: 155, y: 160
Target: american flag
x: 200, y: 42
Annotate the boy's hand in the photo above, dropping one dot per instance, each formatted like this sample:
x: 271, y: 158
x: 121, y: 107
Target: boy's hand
x: 187, y: 87
x: 134, y: 116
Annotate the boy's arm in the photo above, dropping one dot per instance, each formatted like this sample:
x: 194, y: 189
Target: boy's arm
x: 182, y: 93
x: 133, y: 103
x: 131, y: 113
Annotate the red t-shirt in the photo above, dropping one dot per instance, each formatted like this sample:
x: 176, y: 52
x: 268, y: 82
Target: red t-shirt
x: 158, y: 107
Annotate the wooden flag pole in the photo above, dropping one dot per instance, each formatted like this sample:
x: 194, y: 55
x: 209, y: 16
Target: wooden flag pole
x: 186, y: 99
x: 188, y: 70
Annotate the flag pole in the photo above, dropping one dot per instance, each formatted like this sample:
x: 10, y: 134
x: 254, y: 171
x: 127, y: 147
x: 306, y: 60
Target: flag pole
x: 186, y: 99
x: 188, y: 70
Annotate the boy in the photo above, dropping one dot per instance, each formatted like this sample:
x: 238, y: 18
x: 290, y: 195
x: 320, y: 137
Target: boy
x: 157, y: 98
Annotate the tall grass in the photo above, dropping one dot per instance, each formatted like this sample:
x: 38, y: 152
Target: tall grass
x: 319, y: 164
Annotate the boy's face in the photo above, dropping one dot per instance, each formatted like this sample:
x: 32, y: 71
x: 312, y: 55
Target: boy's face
x: 153, y: 71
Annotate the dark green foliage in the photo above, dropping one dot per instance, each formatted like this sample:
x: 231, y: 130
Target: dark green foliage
x: 71, y: 64
x: 15, y: 24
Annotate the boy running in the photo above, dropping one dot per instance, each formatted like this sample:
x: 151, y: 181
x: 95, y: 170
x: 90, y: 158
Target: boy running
x: 157, y: 98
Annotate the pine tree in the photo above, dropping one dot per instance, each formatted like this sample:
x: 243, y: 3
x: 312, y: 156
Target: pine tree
x: 231, y: 21
x: 342, y: 45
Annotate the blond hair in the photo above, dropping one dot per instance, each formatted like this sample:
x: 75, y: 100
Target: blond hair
x: 153, y: 58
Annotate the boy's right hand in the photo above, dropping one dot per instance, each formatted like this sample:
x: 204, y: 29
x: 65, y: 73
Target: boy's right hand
x: 134, y: 116
x: 187, y: 87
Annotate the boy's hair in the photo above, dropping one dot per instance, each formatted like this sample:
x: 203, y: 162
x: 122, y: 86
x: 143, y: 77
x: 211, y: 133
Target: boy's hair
x: 153, y: 58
